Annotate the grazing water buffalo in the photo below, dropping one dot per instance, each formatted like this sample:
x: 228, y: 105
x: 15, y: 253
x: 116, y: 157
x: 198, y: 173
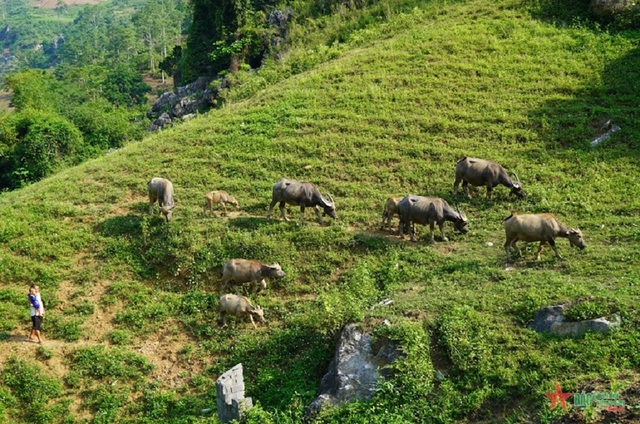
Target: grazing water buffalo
x: 161, y: 190
x: 541, y: 227
x: 302, y: 194
x: 429, y: 210
x: 390, y: 209
x: 247, y: 270
x: 238, y: 306
x: 219, y: 197
x: 479, y: 172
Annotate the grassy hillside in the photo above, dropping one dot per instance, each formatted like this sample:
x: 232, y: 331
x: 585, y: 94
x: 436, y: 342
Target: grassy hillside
x: 130, y: 329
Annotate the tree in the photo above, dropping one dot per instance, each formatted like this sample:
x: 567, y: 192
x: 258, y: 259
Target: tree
x: 32, y: 89
x: 125, y: 87
x: 45, y: 142
x: 223, y: 34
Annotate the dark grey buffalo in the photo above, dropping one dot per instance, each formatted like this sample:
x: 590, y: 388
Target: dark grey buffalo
x: 544, y: 228
x: 303, y: 195
x: 480, y: 172
x: 429, y: 210
x: 161, y: 191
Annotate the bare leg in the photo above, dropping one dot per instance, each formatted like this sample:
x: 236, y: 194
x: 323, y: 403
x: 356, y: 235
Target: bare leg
x: 456, y: 183
x: 318, y: 215
x: 273, y: 203
x: 441, y: 225
x: 282, y: 213
x: 555, y: 249
x: 412, y: 231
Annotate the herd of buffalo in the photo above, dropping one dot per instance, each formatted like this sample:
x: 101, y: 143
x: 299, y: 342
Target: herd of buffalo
x: 543, y: 228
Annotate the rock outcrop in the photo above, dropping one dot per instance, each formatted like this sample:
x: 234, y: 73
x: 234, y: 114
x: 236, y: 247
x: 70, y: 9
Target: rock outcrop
x: 551, y: 319
x: 188, y: 100
x: 354, y: 370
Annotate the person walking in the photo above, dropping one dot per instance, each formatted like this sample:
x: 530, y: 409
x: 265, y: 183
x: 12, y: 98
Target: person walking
x: 35, y: 311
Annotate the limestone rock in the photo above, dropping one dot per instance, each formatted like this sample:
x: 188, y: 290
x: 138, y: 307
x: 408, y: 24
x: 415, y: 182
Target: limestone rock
x: 354, y: 370
x: 551, y: 320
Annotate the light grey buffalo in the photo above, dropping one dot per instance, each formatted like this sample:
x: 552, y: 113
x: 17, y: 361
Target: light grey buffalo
x: 161, y: 190
x: 390, y: 209
x: 248, y: 270
x: 303, y: 195
x: 429, y: 210
x: 480, y: 172
x: 220, y: 197
x: 238, y: 306
x: 544, y: 228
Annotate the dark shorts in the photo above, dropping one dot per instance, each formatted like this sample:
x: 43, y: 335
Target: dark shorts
x: 37, y: 322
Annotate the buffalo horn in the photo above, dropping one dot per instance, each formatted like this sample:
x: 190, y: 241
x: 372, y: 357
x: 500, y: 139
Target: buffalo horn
x: 517, y: 179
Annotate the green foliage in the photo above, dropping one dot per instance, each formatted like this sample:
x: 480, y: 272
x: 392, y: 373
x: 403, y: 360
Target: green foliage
x: 32, y: 89
x: 591, y: 309
x: 107, y: 402
x: 99, y: 363
x: 67, y: 329
x: 380, y: 104
x: 124, y: 86
x: 349, y: 299
x: 37, y: 393
x: 46, y: 142
x: 119, y: 337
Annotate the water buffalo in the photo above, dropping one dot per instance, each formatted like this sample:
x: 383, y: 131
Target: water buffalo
x: 541, y: 227
x: 220, y: 197
x: 247, y: 270
x: 302, y: 194
x: 429, y: 210
x: 161, y: 190
x: 238, y: 306
x: 390, y: 209
x: 479, y: 172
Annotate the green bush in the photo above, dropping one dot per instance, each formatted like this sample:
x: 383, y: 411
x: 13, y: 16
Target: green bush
x: 100, y: 363
x: 46, y: 143
x: 38, y: 394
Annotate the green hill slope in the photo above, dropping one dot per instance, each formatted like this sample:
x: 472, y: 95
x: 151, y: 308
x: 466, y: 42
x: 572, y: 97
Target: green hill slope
x: 131, y: 332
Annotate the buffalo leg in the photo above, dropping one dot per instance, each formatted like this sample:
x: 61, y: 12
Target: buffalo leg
x: 282, y: 213
x: 315, y: 208
x: 271, y: 206
x: 456, y: 183
x: 401, y: 225
x: 432, y: 230
x: 465, y: 188
x: 510, y: 243
x: 441, y: 225
x: 489, y: 191
x: 412, y: 230
x: 152, y: 200
x: 555, y: 249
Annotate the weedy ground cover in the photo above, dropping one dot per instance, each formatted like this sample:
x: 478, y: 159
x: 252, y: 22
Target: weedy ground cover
x: 385, y: 109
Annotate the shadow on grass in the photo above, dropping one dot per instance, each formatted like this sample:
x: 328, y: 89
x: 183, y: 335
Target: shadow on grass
x: 249, y: 222
x: 283, y: 367
x: 126, y: 225
x: 147, y: 243
x: 573, y: 123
